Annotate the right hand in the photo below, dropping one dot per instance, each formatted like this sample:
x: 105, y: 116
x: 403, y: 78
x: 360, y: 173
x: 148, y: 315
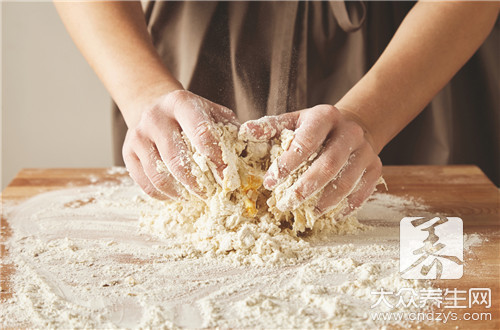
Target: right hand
x: 347, y: 166
x: 157, y: 137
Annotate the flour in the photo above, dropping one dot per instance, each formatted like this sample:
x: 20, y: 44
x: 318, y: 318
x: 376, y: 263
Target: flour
x: 115, y: 170
x: 82, y: 262
x: 471, y: 240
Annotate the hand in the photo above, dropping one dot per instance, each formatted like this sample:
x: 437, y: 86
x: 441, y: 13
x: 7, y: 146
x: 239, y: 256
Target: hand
x: 346, y: 166
x: 156, y: 141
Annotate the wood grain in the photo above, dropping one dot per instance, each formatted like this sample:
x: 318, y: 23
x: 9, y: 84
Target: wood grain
x: 462, y: 191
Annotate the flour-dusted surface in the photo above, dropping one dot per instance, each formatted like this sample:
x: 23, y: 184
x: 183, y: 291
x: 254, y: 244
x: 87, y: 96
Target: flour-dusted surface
x: 82, y: 261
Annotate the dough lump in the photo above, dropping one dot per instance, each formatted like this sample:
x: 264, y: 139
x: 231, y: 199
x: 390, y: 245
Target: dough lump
x: 240, y: 216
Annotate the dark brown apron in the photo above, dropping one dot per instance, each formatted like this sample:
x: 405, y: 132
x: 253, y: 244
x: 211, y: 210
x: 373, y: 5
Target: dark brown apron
x: 264, y: 58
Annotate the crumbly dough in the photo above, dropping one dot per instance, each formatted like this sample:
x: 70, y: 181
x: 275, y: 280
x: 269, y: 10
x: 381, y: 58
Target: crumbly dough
x: 240, y: 217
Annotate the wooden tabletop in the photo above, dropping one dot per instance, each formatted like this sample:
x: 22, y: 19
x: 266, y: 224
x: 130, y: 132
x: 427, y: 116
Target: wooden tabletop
x: 461, y: 191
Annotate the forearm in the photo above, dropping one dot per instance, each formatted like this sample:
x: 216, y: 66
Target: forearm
x: 431, y: 45
x: 114, y: 39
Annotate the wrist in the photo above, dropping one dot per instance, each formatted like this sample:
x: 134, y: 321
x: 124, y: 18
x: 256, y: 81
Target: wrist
x: 352, y: 115
x: 144, y: 96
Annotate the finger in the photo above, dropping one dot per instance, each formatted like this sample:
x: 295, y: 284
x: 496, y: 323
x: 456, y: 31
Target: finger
x: 175, y: 154
x: 311, y: 132
x: 200, y: 130
x: 219, y: 113
x: 136, y: 171
x: 333, y: 158
x: 268, y: 127
x: 222, y: 114
x: 345, y: 182
x: 365, y: 187
x: 152, y: 165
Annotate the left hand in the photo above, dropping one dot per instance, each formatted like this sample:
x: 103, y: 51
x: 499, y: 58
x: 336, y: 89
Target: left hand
x: 347, y: 166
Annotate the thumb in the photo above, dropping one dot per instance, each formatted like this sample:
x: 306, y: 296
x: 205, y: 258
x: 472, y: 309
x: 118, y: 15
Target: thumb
x: 267, y: 127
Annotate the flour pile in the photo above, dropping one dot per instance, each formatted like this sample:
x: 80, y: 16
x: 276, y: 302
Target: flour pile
x: 240, y: 218
x: 81, y: 261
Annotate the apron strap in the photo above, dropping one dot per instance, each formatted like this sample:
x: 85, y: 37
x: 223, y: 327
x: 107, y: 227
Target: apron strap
x: 351, y: 19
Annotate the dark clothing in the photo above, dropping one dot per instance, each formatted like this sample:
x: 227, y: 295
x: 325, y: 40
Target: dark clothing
x: 265, y: 58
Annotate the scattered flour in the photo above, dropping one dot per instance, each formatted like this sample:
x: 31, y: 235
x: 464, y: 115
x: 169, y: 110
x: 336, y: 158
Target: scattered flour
x: 82, y: 262
x: 471, y: 240
x: 116, y: 170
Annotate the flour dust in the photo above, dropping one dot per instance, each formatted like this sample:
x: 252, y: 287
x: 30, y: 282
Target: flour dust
x: 82, y: 261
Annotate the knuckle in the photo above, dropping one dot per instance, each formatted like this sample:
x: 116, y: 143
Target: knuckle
x: 176, y: 163
x: 329, y: 109
x: 136, y: 134
x: 305, y: 143
x: 203, y: 130
x: 176, y: 99
x: 154, y: 115
x: 158, y: 180
x: 326, y: 112
x: 356, y: 131
x: 179, y: 95
x: 151, y: 114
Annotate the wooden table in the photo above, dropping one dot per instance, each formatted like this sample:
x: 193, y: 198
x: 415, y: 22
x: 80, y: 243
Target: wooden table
x: 462, y: 191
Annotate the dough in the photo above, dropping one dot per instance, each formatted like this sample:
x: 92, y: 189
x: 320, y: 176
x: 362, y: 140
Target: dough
x: 240, y: 216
